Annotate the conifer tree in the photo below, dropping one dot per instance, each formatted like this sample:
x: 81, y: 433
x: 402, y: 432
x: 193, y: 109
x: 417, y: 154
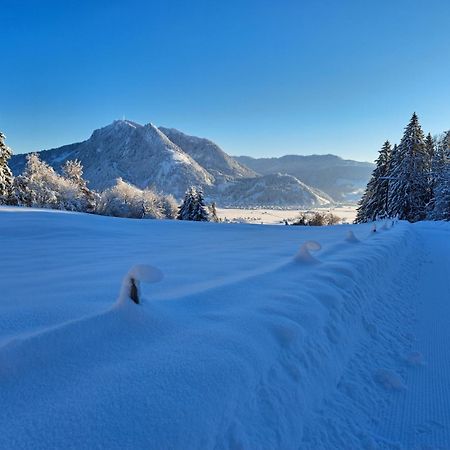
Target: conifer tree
x: 362, y: 212
x: 193, y: 206
x: 6, y: 177
x: 213, y: 213
x: 408, y: 191
x: 199, y: 212
x: 441, y: 177
x: 186, y: 208
x: 373, y: 205
x: 430, y: 150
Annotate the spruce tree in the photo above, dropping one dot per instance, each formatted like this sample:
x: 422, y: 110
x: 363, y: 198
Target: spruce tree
x: 6, y: 177
x: 373, y: 204
x: 436, y: 168
x: 362, y: 212
x: 430, y: 150
x: 193, y: 206
x: 408, y: 191
x: 186, y: 209
x: 441, y: 177
x: 199, y: 212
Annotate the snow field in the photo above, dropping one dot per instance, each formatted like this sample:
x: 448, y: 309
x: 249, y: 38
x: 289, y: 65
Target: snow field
x: 243, y: 344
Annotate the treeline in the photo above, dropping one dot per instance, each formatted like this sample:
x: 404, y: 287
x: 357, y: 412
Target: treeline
x: 40, y: 186
x: 411, y: 181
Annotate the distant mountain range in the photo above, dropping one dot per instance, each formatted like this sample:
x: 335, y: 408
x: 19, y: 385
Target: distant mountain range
x: 341, y: 179
x: 169, y: 161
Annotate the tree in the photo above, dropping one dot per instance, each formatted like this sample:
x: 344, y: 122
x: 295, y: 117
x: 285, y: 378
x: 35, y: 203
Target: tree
x: 126, y: 200
x: 409, y: 188
x: 199, y: 212
x: 441, y: 172
x: 6, y: 176
x: 73, y: 171
x: 186, y: 208
x: 40, y: 186
x: 213, y: 213
x: 430, y: 151
x: 193, y: 206
x: 169, y: 206
x: 373, y: 204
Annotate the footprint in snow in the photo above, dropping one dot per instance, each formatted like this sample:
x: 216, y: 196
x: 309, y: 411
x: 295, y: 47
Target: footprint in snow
x: 415, y: 359
x: 389, y: 380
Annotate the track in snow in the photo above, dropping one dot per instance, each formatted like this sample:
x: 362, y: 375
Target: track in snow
x: 420, y: 416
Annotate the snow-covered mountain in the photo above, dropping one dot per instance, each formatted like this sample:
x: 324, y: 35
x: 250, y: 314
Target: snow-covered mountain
x: 140, y: 154
x: 209, y: 155
x: 170, y: 161
x: 342, y: 179
x: 275, y: 189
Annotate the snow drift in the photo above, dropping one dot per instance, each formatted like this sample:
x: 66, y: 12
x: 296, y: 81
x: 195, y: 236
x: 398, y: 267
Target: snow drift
x: 221, y: 355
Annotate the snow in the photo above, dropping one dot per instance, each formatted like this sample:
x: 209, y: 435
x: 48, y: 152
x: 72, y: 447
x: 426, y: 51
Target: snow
x: 240, y: 343
x: 278, y: 216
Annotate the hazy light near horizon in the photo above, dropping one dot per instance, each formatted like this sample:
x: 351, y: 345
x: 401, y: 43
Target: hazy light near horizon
x: 257, y: 77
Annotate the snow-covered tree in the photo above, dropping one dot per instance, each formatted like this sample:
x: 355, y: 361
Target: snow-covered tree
x: 430, y: 146
x: 441, y: 177
x: 213, y: 213
x: 169, y: 206
x: 6, y: 177
x: 200, y: 212
x: 186, y: 208
x: 126, y: 200
x: 409, y: 187
x: 40, y: 186
x: 193, y: 206
x: 373, y: 204
x: 73, y: 171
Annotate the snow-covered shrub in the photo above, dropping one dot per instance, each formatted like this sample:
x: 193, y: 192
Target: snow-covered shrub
x: 126, y: 200
x: 316, y: 218
x: 40, y: 186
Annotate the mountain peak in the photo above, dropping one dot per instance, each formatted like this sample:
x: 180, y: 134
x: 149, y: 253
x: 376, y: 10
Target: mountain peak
x: 119, y: 123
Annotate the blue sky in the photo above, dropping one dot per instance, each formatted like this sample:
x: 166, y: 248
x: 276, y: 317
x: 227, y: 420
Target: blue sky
x: 262, y: 78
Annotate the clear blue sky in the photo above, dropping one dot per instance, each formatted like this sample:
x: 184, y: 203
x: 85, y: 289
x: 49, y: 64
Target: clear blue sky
x: 258, y: 77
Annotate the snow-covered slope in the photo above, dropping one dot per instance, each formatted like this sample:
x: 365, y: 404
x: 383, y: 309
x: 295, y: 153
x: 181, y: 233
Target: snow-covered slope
x: 209, y: 155
x: 171, y: 161
x: 246, y: 343
x: 140, y: 154
x: 276, y: 189
x: 341, y: 179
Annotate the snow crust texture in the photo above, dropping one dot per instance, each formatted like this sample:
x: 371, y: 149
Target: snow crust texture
x: 238, y: 346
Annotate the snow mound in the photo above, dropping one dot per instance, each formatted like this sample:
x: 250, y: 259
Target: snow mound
x: 351, y: 237
x: 138, y: 273
x: 304, y: 254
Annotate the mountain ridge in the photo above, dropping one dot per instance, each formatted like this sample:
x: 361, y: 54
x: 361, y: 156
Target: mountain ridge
x: 342, y: 179
x: 169, y: 161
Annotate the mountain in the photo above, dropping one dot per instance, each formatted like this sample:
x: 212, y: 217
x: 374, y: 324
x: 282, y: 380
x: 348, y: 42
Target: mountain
x: 272, y: 190
x: 341, y: 179
x: 170, y: 161
x: 209, y: 155
x: 140, y: 154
